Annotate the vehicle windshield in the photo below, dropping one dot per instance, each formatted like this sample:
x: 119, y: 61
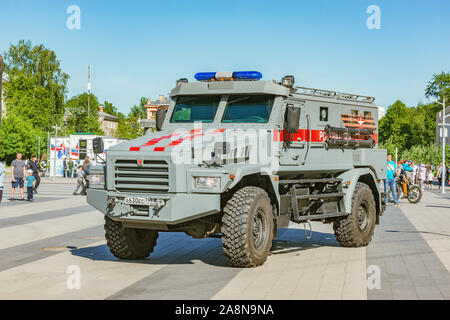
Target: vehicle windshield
x: 248, y: 109
x: 195, y: 108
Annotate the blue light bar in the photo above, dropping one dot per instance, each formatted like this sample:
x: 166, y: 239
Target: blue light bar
x: 237, y: 75
x: 205, y: 76
x: 247, y: 75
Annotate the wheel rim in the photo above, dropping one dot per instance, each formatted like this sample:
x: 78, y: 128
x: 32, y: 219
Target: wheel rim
x: 363, y: 217
x: 259, y: 229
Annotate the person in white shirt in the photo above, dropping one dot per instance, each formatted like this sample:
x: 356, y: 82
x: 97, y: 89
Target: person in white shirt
x: 430, y: 179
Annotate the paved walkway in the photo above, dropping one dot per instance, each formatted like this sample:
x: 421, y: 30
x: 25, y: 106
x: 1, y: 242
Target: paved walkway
x: 40, y: 240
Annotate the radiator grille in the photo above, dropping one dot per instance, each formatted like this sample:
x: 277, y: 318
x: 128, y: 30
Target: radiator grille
x: 151, y: 177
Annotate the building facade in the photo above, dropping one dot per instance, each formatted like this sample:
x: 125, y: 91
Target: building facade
x: 108, y: 123
x: 440, y: 129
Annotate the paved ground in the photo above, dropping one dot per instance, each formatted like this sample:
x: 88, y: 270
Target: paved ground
x: 39, y: 241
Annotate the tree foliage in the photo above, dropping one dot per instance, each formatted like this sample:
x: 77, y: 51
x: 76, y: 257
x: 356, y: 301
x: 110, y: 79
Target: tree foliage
x: 77, y: 111
x: 17, y: 135
x: 42, y: 68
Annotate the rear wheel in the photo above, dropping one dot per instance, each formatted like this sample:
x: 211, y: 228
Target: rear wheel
x: 356, y: 230
x: 129, y: 243
x: 247, y: 227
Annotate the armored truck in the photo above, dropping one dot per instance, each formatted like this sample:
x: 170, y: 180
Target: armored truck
x: 239, y: 158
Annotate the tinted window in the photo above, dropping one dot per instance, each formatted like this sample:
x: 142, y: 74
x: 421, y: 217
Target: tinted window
x: 195, y: 108
x: 248, y: 109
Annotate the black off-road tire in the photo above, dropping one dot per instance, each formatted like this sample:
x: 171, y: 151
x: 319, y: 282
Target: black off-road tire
x: 247, y: 229
x: 356, y: 230
x: 129, y: 243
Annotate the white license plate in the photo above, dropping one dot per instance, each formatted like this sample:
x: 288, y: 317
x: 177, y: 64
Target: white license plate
x: 139, y: 201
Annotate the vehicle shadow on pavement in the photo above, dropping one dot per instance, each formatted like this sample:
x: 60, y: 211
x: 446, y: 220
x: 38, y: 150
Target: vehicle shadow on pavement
x: 178, y: 248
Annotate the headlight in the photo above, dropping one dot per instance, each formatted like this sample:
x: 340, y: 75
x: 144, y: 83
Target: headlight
x: 207, y: 182
x: 96, y: 179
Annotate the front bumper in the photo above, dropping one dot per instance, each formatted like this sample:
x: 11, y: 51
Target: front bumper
x: 178, y: 208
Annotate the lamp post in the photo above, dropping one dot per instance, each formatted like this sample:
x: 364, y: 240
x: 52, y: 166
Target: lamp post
x: 443, y: 140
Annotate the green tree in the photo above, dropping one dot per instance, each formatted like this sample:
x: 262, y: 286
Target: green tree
x: 439, y: 86
x: 110, y: 108
x: 17, y: 134
x: 42, y: 67
x: 78, y: 119
x: 139, y: 111
x: 128, y: 127
x: 395, y: 126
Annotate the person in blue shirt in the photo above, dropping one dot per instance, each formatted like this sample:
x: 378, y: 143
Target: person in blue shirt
x: 391, y: 169
x: 31, y: 180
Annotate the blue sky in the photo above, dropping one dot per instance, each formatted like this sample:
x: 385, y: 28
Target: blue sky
x: 140, y: 48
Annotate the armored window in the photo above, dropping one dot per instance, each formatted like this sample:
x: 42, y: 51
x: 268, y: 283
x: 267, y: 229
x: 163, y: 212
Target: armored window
x: 355, y: 112
x: 367, y: 114
x: 323, y: 114
x: 248, y: 109
x: 195, y: 108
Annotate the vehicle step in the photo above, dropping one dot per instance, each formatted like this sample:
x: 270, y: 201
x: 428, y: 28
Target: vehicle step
x: 309, y: 181
x: 321, y: 196
x: 321, y: 216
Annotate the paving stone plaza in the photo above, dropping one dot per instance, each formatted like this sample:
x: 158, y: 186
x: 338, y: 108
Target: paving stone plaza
x: 41, y: 242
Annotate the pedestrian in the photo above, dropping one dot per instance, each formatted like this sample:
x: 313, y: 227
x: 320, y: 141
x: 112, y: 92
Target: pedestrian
x: 17, y: 175
x: 389, y: 183
x: 86, y: 170
x: 414, y: 172
x: 65, y: 167
x: 430, y: 178
x: 439, y: 175
x: 422, y: 176
x: 70, y: 166
x: 34, y: 166
x: 31, y: 181
x: 2, y: 178
x: 80, y: 179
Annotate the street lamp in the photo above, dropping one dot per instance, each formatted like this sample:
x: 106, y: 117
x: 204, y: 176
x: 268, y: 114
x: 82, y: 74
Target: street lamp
x: 443, y: 140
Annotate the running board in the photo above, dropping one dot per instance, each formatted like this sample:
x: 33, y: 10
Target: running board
x: 311, y: 181
x: 321, y: 216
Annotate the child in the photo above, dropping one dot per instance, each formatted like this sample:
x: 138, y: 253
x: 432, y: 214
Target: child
x: 31, y: 180
x: 80, y: 177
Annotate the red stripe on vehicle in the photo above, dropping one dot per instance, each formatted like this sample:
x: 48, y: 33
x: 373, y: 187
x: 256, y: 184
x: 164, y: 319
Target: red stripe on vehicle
x: 135, y: 148
x: 159, y: 149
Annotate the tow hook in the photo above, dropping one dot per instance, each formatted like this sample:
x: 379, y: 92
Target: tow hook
x: 112, y: 201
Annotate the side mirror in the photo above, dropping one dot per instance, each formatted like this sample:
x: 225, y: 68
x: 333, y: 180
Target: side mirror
x: 98, y: 145
x: 160, y: 116
x: 292, y: 119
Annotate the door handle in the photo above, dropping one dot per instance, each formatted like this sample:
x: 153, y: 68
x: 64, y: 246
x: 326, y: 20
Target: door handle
x: 308, y: 142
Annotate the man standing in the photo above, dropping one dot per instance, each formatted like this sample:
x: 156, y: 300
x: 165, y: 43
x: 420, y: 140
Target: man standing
x: 390, y: 180
x: 70, y: 166
x: 65, y: 167
x: 439, y: 175
x: 34, y: 166
x: 17, y: 175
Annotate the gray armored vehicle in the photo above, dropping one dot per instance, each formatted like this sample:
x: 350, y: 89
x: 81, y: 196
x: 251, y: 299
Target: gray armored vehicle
x: 240, y: 158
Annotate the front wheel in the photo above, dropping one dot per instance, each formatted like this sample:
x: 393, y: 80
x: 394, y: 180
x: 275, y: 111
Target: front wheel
x: 356, y: 230
x: 414, y: 194
x: 247, y: 229
x: 129, y: 243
